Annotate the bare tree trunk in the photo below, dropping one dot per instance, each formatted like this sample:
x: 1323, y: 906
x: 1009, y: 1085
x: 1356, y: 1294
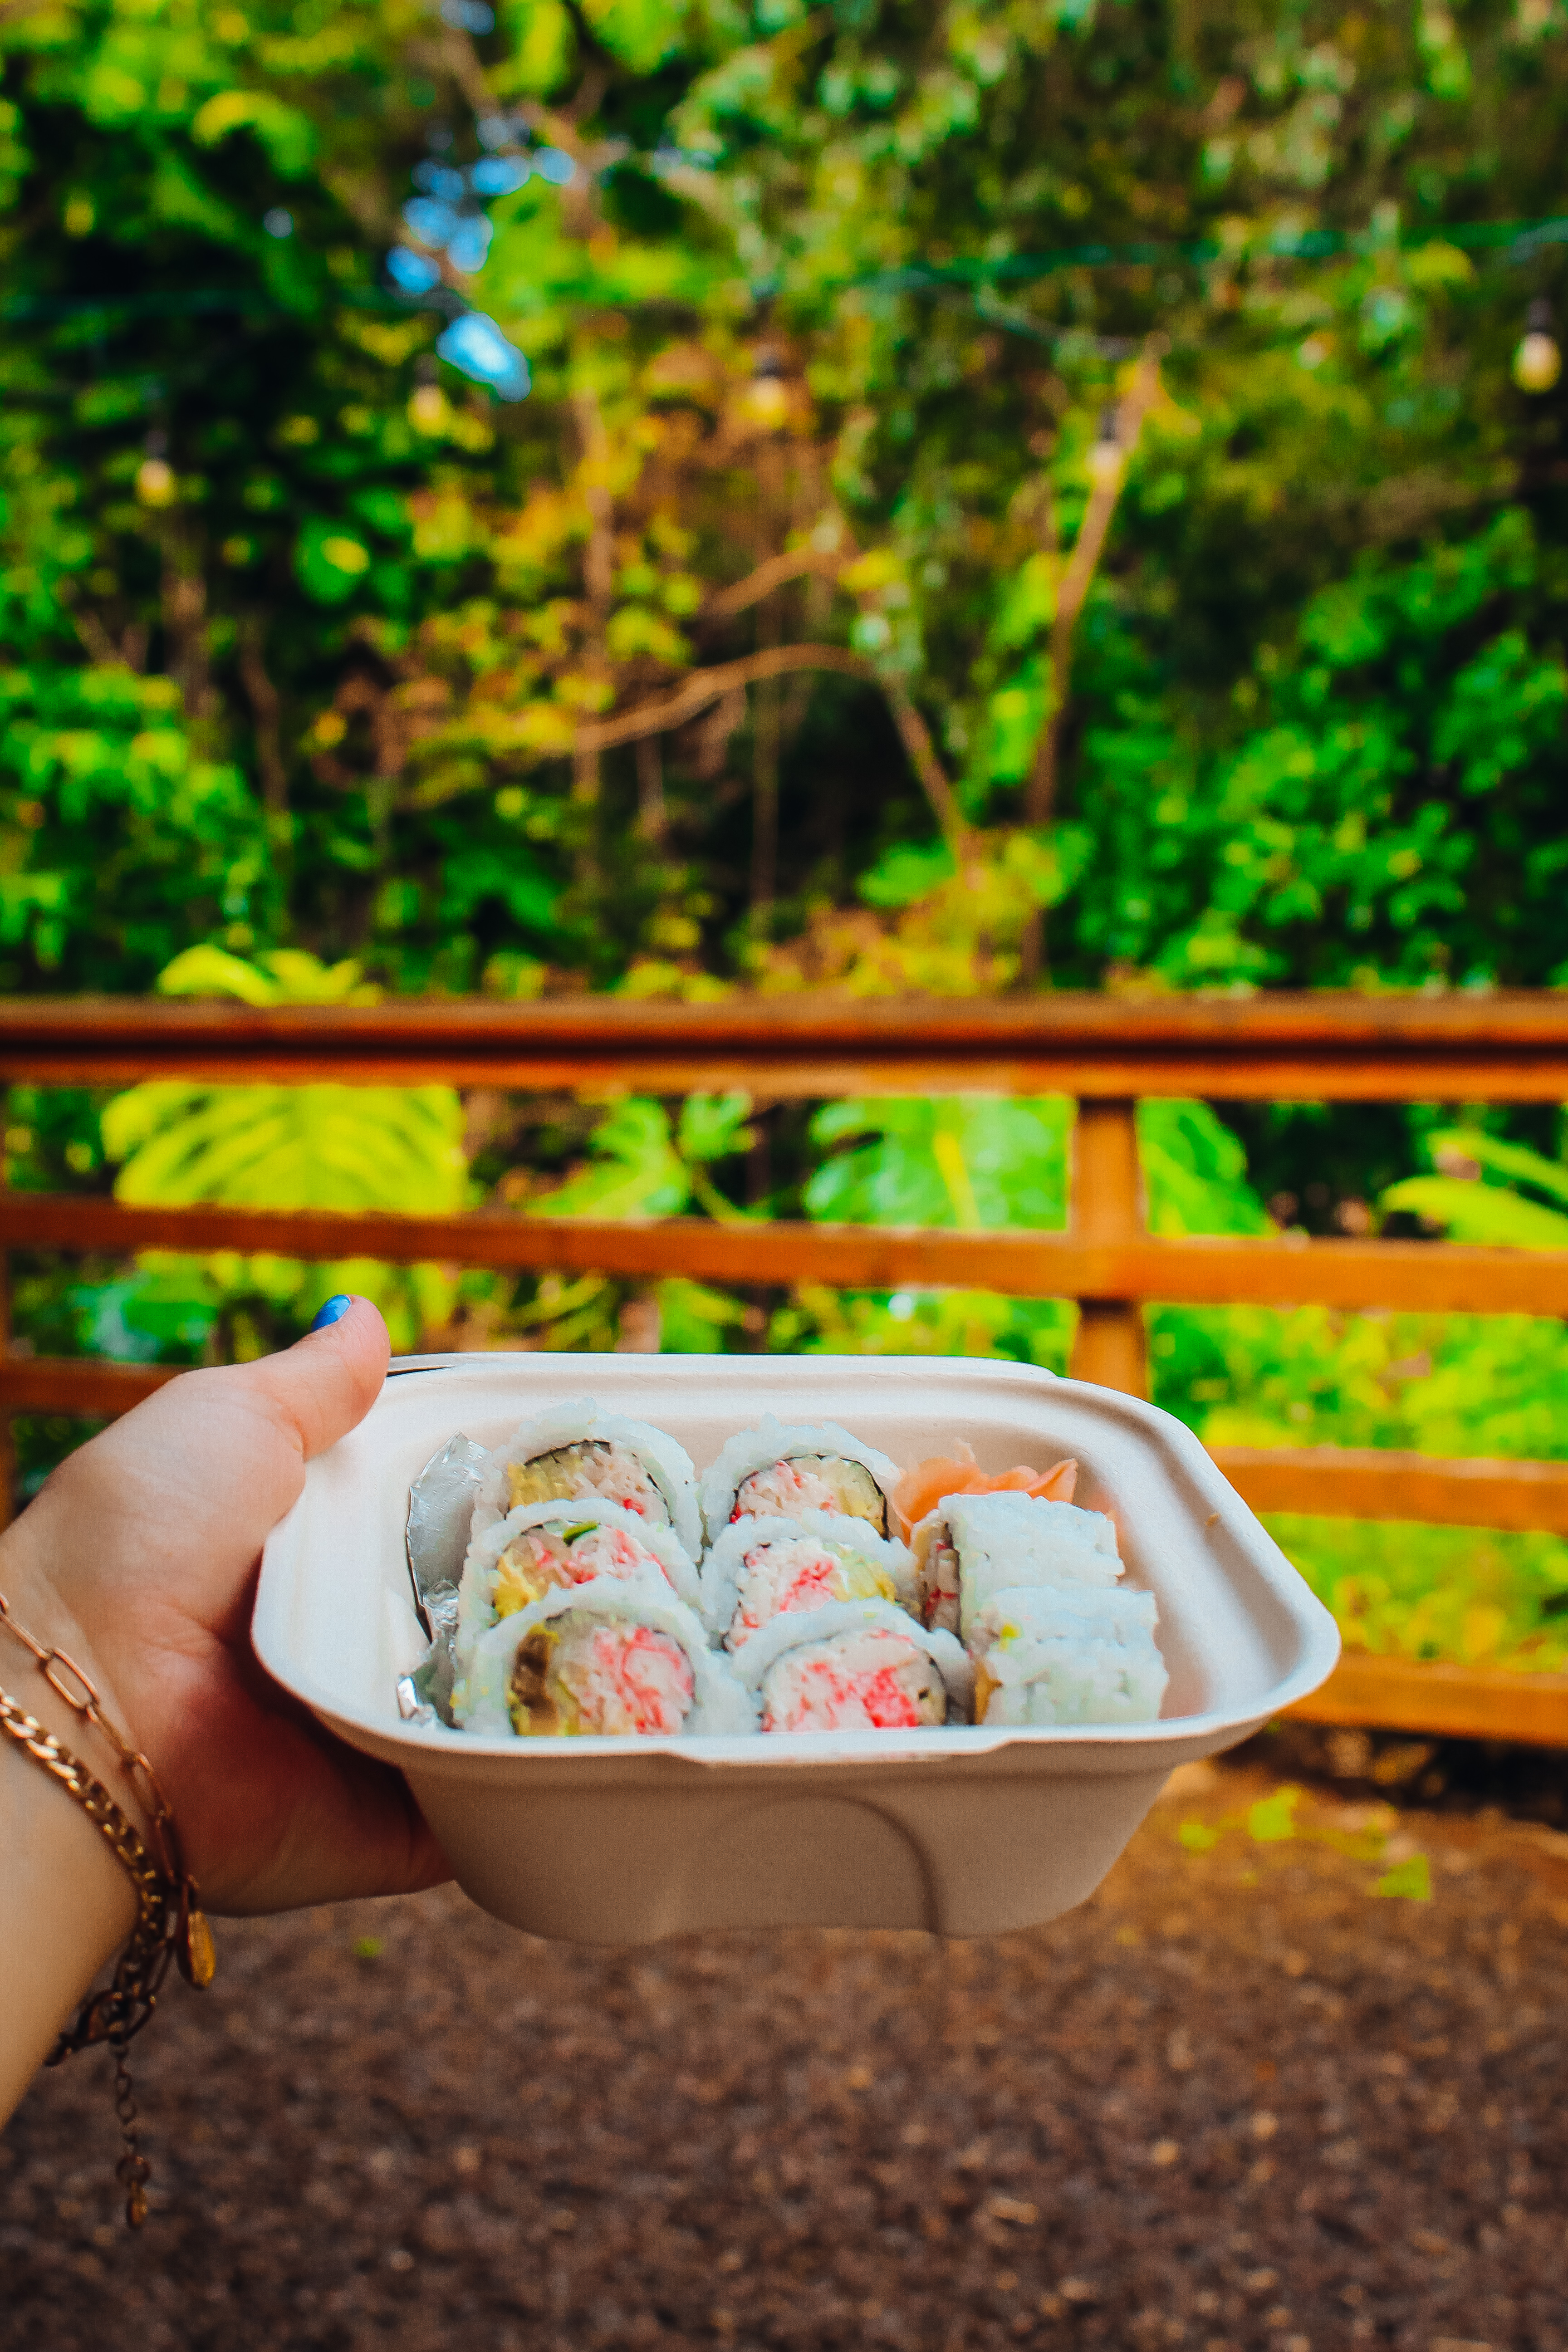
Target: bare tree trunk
x: 262, y: 696
x: 653, y: 813
x: 932, y: 776
x: 765, y: 718
x: 598, y: 582
x: 1072, y: 594
x: 184, y: 624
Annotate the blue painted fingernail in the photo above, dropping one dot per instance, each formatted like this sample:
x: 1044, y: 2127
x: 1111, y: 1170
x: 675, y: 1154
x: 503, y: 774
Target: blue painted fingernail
x: 332, y: 1311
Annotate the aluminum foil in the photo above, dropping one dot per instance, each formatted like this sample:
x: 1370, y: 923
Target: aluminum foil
x: 440, y: 1506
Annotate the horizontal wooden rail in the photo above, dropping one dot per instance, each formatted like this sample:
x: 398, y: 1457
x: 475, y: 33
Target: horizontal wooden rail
x: 1330, y: 1048
x: 1429, y: 1696
x: 1320, y: 1481
x: 1194, y: 1270
x: 1346, y: 1482
x: 84, y: 1387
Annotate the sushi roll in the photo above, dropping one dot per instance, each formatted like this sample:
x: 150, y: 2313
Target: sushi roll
x: 972, y: 1545
x: 855, y: 1665
x: 761, y: 1569
x: 545, y: 1546
x: 577, y: 1453
x: 1080, y: 1654
x: 774, y: 1472
x: 609, y: 1659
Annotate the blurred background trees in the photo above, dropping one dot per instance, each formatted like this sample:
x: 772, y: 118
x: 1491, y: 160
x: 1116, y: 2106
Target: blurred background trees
x: 672, y: 498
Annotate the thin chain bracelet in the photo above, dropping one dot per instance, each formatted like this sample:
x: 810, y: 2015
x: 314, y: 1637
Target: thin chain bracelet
x: 169, y: 1926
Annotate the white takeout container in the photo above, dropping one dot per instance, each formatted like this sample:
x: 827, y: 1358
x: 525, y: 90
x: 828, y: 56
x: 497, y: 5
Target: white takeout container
x: 969, y: 1831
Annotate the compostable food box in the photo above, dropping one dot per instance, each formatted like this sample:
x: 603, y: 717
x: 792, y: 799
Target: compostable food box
x: 968, y: 1831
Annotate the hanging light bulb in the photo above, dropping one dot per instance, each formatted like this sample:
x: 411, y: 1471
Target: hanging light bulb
x: 1106, y: 456
x: 767, y: 395
x: 1538, y: 363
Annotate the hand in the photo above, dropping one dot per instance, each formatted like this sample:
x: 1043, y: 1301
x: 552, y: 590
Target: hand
x: 139, y: 1559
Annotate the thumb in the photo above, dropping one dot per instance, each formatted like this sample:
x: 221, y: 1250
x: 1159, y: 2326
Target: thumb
x: 324, y: 1385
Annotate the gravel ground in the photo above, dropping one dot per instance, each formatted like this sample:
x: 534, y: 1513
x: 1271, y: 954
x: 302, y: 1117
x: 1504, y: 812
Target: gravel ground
x: 1238, y: 2101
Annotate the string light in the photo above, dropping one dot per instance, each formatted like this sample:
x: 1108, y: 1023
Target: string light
x: 1538, y: 363
x: 767, y: 395
x: 1106, y: 457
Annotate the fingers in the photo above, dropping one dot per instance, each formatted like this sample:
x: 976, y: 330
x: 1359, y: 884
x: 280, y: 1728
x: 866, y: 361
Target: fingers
x: 325, y: 1384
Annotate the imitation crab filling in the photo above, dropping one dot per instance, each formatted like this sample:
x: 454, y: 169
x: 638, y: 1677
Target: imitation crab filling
x: 796, y: 1572
x: 572, y: 1473
x: 581, y: 1674
x: 938, y: 1583
x: 812, y: 1482
x: 543, y: 1560
x: 873, y: 1681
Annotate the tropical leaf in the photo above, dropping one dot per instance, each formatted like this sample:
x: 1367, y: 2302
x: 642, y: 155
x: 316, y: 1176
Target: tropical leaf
x: 964, y: 1159
x: 1489, y: 1152
x: 636, y: 1172
x: 1195, y: 1171
x: 1486, y: 1213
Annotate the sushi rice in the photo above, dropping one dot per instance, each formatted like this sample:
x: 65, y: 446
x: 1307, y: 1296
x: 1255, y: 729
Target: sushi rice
x: 575, y: 1451
x: 763, y: 1568
x: 1076, y: 1655
x: 972, y: 1545
x: 855, y: 1665
x: 603, y: 1660
x: 777, y: 1471
x: 541, y: 1547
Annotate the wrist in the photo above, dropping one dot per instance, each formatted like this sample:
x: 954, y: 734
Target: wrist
x: 69, y: 1901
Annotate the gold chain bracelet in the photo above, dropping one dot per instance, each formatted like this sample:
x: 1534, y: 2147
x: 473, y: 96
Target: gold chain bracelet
x: 169, y: 1926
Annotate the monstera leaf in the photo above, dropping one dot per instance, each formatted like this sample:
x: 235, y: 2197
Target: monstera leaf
x: 342, y: 1147
x: 980, y: 1160
x: 322, y: 1147
x: 291, y: 1147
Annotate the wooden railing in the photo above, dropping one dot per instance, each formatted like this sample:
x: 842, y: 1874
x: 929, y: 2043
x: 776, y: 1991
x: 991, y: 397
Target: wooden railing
x: 1103, y: 1052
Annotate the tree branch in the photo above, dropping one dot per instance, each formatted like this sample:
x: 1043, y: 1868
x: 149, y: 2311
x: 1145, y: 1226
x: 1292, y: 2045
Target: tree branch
x: 921, y: 750
x: 706, y: 685
x: 773, y: 573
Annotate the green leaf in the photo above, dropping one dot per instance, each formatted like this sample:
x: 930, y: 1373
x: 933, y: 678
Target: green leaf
x: 289, y: 136
x: 636, y: 1171
x: 1272, y: 1820
x: 1411, y: 1879
x: 1195, y: 1171
x: 1483, y: 1213
x: 965, y: 1160
x: 712, y: 1127
x: 330, y: 561
x: 1490, y: 1151
x: 906, y: 873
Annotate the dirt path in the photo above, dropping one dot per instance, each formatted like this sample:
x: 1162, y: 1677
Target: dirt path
x: 1238, y: 2101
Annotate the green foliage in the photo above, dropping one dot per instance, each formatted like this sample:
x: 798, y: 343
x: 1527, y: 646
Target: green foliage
x: 1280, y: 1819
x: 809, y: 280
x: 1478, y: 1597
x: 644, y: 1167
x: 124, y: 838
x: 969, y: 1160
x: 1489, y: 1212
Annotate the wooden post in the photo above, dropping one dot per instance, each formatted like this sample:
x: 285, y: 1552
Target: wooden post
x: 1111, y: 1347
